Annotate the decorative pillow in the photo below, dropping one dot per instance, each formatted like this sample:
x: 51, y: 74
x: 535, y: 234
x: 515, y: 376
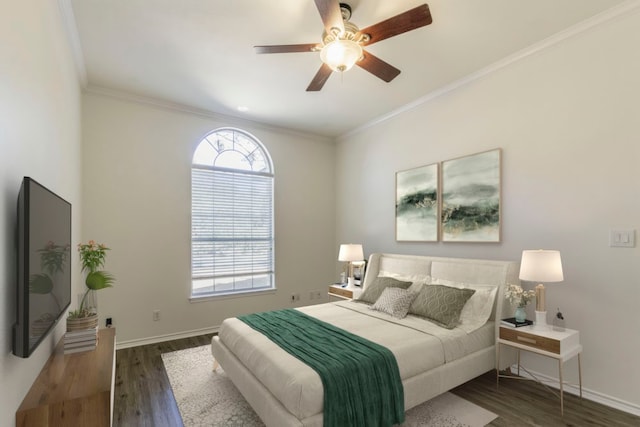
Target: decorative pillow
x: 373, y: 291
x: 394, y: 301
x: 478, y: 309
x: 441, y: 304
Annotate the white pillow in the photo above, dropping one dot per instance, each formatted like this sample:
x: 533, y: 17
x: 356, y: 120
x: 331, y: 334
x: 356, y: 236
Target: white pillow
x: 413, y: 278
x: 478, y: 308
x: 416, y: 287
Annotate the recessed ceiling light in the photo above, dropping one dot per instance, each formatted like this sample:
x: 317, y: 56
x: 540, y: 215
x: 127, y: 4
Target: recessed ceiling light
x: 243, y: 108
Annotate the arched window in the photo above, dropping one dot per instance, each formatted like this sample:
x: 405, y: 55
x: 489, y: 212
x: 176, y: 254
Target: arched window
x: 231, y: 215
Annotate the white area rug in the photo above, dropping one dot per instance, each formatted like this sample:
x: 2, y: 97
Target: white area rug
x: 207, y: 398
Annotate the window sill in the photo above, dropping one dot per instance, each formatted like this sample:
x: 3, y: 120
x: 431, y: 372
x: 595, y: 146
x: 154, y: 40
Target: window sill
x: 231, y: 295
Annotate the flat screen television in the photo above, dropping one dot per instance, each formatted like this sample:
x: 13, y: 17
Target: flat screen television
x: 44, y: 265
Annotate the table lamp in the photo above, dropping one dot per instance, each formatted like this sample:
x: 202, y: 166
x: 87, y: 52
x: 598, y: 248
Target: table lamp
x: 350, y: 253
x: 541, y: 266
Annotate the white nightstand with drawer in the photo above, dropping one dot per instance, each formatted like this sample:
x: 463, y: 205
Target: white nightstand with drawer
x: 560, y: 345
x: 338, y: 293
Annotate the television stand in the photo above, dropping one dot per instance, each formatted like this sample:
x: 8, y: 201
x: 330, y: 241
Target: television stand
x: 74, y: 389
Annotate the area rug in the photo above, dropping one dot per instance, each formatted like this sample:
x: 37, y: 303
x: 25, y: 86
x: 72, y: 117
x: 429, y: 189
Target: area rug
x: 207, y: 398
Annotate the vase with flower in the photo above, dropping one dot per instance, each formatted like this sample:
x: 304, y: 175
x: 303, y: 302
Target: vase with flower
x: 520, y: 298
x: 92, y: 257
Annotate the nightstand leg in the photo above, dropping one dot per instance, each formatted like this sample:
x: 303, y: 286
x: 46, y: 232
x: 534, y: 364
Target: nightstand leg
x: 580, y: 375
x: 518, y: 362
x: 497, y: 365
x: 561, y: 388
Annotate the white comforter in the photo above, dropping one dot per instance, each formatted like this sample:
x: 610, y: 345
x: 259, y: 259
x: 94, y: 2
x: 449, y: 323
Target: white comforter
x: 417, y: 344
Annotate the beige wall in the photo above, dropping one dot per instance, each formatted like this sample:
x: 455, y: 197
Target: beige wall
x: 136, y: 194
x: 566, y: 118
x: 39, y: 137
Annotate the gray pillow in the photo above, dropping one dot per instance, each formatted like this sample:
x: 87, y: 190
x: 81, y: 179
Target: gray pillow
x: 441, y: 304
x: 394, y: 301
x: 373, y: 291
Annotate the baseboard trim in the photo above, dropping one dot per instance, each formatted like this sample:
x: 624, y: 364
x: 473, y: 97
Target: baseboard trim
x: 168, y: 337
x: 610, y: 401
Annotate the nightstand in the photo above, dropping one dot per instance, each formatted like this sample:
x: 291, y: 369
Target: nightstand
x: 559, y: 345
x: 337, y: 293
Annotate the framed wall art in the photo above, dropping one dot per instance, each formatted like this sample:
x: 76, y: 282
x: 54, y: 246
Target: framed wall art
x: 471, y: 191
x: 417, y: 204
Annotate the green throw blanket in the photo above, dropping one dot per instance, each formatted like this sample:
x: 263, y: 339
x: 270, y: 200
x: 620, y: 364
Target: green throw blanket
x: 361, y: 380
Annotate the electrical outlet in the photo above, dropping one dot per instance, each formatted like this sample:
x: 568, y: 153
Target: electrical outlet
x: 295, y: 297
x: 313, y: 295
x: 108, y: 322
x: 156, y: 315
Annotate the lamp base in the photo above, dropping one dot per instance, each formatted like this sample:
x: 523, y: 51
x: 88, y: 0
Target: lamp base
x: 351, y: 283
x: 541, y: 321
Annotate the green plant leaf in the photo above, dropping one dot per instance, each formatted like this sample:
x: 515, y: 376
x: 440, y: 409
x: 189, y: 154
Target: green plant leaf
x: 40, y: 284
x: 97, y: 280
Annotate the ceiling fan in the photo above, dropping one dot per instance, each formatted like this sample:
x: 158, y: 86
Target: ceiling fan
x: 342, y: 41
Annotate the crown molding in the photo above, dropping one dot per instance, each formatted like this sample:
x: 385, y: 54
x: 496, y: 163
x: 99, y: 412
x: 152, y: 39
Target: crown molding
x: 69, y: 23
x: 229, y: 120
x: 609, y: 15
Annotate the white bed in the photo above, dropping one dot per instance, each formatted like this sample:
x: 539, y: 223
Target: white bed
x: 285, y: 392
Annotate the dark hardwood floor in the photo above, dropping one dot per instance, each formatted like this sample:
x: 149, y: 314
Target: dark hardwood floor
x: 526, y: 403
x: 143, y: 395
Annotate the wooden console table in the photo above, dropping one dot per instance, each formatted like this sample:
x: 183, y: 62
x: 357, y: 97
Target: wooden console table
x: 74, y: 389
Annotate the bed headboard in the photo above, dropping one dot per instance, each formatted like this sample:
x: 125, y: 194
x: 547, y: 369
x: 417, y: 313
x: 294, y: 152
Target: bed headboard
x: 465, y: 270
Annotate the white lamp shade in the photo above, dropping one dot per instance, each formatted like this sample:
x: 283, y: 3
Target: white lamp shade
x: 351, y: 252
x: 541, y: 266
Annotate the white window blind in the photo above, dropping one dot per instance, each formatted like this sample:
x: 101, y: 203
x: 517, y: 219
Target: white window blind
x: 232, y: 229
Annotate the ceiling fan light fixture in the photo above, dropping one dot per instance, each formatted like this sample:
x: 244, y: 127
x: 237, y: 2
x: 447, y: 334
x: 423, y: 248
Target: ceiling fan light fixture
x: 341, y: 55
x: 343, y: 43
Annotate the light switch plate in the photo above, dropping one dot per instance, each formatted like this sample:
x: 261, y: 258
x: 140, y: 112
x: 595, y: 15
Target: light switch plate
x: 622, y: 238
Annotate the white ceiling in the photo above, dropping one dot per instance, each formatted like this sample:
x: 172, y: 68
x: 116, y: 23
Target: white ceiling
x: 199, y: 53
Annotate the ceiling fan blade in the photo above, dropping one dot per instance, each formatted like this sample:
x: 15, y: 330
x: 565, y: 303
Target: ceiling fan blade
x: 330, y: 14
x: 287, y: 48
x: 378, y: 67
x: 406, y: 21
x: 320, y: 78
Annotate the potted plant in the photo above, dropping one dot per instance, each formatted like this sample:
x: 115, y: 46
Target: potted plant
x: 519, y: 297
x: 92, y: 257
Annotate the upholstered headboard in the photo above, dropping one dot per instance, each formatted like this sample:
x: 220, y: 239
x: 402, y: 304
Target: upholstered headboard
x: 465, y: 270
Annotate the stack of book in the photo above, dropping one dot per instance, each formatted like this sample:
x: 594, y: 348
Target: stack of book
x: 82, y: 340
x: 513, y: 323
